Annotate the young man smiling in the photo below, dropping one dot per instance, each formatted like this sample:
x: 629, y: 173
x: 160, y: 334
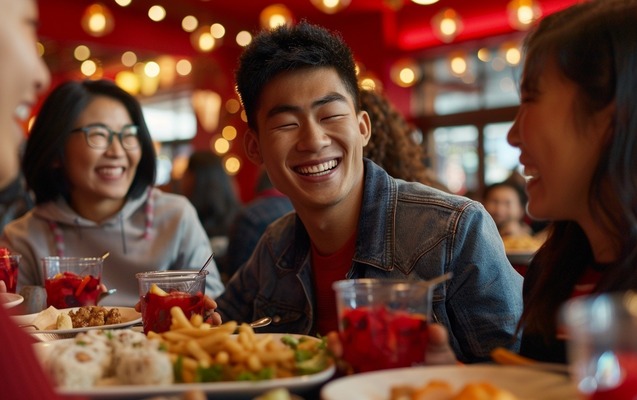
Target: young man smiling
x: 299, y: 89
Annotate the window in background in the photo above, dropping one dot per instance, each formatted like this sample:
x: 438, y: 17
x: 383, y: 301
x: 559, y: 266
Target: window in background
x: 466, y: 102
x: 455, y: 159
x: 171, y: 119
x: 499, y: 157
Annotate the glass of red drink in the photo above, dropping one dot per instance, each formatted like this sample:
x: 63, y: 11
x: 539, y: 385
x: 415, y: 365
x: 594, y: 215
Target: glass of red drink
x: 602, y: 344
x: 72, y: 281
x: 383, y: 323
x: 160, y: 291
x: 9, y: 269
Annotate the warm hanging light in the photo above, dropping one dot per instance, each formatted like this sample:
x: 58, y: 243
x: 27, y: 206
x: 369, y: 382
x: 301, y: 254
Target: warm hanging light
x: 97, y: 20
x: 405, y: 72
x: 446, y: 25
x: 458, y: 63
x: 424, y: 2
x: 331, y: 6
x: 232, y: 165
x: 523, y: 13
x: 202, y: 40
x: 275, y: 15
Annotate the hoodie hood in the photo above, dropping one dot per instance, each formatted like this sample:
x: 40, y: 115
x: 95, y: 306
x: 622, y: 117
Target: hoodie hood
x: 60, y: 214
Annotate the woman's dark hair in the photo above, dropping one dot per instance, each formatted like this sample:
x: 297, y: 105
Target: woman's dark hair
x: 42, y: 162
x: 593, y: 45
x: 213, y: 195
x: 291, y: 48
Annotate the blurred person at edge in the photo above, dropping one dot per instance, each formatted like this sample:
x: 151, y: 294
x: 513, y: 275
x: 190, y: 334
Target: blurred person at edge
x: 576, y: 129
x: 90, y: 162
x: 391, y: 144
x: 23, y: 77
x: 352, y: 220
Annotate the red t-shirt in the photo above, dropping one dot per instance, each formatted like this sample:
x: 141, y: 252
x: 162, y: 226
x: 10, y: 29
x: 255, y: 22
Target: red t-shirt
x: 327, y: 270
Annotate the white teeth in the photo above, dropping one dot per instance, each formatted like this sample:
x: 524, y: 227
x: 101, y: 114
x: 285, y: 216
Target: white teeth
x: 318, y: 169
x: 110, y: 171
x: 531, y: 173
x: 22, y: 112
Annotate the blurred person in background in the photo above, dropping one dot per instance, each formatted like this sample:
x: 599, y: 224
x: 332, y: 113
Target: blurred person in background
x: 506, y: 203
x: 15, y: 201
x: 23, y: 77
x: 250, y: 223
x: 90, y: 162
x: 213, y: 194
x: 391, y: 144
x: 211, y: 191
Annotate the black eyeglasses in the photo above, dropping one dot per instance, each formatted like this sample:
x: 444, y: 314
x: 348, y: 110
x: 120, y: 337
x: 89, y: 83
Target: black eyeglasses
x: 99, y: 136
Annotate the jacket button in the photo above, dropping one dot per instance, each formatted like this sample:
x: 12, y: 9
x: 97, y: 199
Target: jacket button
x: 276, y: 319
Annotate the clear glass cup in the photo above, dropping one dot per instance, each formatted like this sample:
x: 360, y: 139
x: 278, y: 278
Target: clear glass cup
x: 602, y: 344
x: 72, y: 281
x: 9, y: 264
x: 159, y: 291
x: 383, y: 323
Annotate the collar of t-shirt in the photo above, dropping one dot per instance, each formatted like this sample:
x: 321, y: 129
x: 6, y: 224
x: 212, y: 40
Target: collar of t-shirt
x: 327, y: 270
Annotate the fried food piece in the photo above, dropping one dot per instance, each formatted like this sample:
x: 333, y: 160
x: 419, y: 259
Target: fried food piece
x: 483, y: 391
x: 94, y: 316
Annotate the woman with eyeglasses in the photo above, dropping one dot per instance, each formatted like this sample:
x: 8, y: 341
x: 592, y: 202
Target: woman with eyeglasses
x: 90, y: 162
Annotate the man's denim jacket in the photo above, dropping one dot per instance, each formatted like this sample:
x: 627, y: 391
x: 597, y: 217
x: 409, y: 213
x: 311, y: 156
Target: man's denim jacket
x: 406, y: 231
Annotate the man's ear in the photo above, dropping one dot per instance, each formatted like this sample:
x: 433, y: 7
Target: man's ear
x: 365, y: 126
x: 251, y: 147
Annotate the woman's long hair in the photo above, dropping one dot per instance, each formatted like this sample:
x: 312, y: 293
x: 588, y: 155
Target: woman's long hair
x: 594, y: 45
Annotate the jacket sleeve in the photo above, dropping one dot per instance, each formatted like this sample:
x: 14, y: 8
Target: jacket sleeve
x: 484, y: 298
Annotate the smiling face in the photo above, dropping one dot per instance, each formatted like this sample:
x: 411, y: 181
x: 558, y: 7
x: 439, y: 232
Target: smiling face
x: 100, y: 179
x: 311, y: 139
x: 560, y: 148
x: 23, y: 76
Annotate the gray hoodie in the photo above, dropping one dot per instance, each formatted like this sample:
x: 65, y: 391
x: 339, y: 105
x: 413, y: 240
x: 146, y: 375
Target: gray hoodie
x: 160, y: 234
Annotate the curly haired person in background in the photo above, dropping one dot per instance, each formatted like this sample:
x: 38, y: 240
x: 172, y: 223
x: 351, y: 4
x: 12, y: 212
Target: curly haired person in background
x: 391, y: 144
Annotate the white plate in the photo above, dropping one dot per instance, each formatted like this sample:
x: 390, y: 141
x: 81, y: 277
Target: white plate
x: 222, y: 390
x: 129, y: 317
x: 525, y: 383
x: 9, y: 300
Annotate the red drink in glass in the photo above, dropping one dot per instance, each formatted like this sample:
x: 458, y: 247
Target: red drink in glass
x: 160, y: 291
x: 156, y: 308
x: 67, y: 289
x: 377, y: 338
x: 9, y: 269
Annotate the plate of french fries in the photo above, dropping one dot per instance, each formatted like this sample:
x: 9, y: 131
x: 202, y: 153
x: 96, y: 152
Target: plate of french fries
x: 230, y: 361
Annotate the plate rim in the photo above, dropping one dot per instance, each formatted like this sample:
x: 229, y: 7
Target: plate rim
x: 425, y: 374
x: 17, y: 299
x: 125, y: 324
x: 246, y: 388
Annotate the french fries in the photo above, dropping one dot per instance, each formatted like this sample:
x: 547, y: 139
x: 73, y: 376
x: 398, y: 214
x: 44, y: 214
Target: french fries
x: 201, y: 353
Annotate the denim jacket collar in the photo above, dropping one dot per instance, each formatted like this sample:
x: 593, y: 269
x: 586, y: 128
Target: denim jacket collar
x: 377, y: 220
